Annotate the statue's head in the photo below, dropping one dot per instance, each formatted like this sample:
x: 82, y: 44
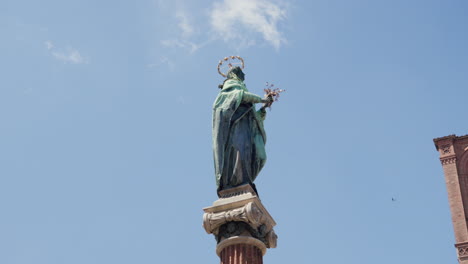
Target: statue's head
x: 237, y: 72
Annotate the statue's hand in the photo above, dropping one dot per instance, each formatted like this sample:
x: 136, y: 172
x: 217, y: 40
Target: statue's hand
x: 267, y: 101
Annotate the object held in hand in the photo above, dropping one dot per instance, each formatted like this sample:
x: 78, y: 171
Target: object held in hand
x: 272, y: 94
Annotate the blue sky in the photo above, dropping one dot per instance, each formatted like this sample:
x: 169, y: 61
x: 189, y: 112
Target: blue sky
x: 105, y: 120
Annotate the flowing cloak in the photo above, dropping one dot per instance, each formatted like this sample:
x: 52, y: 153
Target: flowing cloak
x: 238, y: 136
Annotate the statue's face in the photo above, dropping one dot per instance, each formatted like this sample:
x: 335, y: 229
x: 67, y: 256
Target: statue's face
x: 238, y: 72
x: 241, y: 75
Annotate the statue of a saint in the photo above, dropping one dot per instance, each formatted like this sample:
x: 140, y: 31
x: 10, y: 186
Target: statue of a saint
x: 238, y: 134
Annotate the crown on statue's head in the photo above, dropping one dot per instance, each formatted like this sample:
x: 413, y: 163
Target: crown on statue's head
x: 227, y: 63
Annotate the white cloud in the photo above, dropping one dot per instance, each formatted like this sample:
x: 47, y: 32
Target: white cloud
x: 163, y: 61
x: 184, y: 24
x: 180, y: 43
x: 49, y: 45
x: 71, y: 55
x: 68, y: 55
x: 186, y: 33
x: 241, y: 19
x: 243, y: 22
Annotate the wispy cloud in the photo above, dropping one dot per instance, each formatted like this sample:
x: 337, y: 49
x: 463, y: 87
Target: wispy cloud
x: 71, y: 56
x: 186, y: 33
x: 67, y: 55
x: 180, y: 43
x: 241, y: 20
x: 184, y: 24
x: 163, y: 61
x: 49, y: 45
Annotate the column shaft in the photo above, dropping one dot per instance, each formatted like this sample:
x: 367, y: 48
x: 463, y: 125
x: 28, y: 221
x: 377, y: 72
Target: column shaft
x: 241, y: 254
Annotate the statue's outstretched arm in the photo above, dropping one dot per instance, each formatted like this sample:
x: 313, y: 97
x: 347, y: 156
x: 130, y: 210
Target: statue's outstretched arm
x: 251, y: 98
x: 254, y: 99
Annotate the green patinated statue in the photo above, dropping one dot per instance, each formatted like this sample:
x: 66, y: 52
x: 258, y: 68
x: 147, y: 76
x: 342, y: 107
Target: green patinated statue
x: 238, y: 134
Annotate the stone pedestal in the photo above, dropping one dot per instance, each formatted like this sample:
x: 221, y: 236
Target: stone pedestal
x: 241, y: 225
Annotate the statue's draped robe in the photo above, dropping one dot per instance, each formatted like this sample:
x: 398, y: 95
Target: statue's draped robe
x: 238, y: 135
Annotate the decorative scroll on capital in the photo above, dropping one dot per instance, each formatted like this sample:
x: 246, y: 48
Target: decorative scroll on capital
x: 249, y: 213
x: 271, y: 239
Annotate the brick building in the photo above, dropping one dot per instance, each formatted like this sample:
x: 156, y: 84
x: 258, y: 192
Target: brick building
x: 453, y: 152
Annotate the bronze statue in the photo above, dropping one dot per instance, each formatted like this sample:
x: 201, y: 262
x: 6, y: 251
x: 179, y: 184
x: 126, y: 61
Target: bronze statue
x: 238, y: 134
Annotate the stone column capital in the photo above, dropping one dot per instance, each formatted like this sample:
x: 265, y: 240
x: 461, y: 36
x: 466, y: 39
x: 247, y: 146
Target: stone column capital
x: 238, y: 214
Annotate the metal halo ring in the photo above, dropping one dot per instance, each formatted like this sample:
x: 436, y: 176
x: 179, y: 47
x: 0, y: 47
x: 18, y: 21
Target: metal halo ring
x: 226, y: 59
